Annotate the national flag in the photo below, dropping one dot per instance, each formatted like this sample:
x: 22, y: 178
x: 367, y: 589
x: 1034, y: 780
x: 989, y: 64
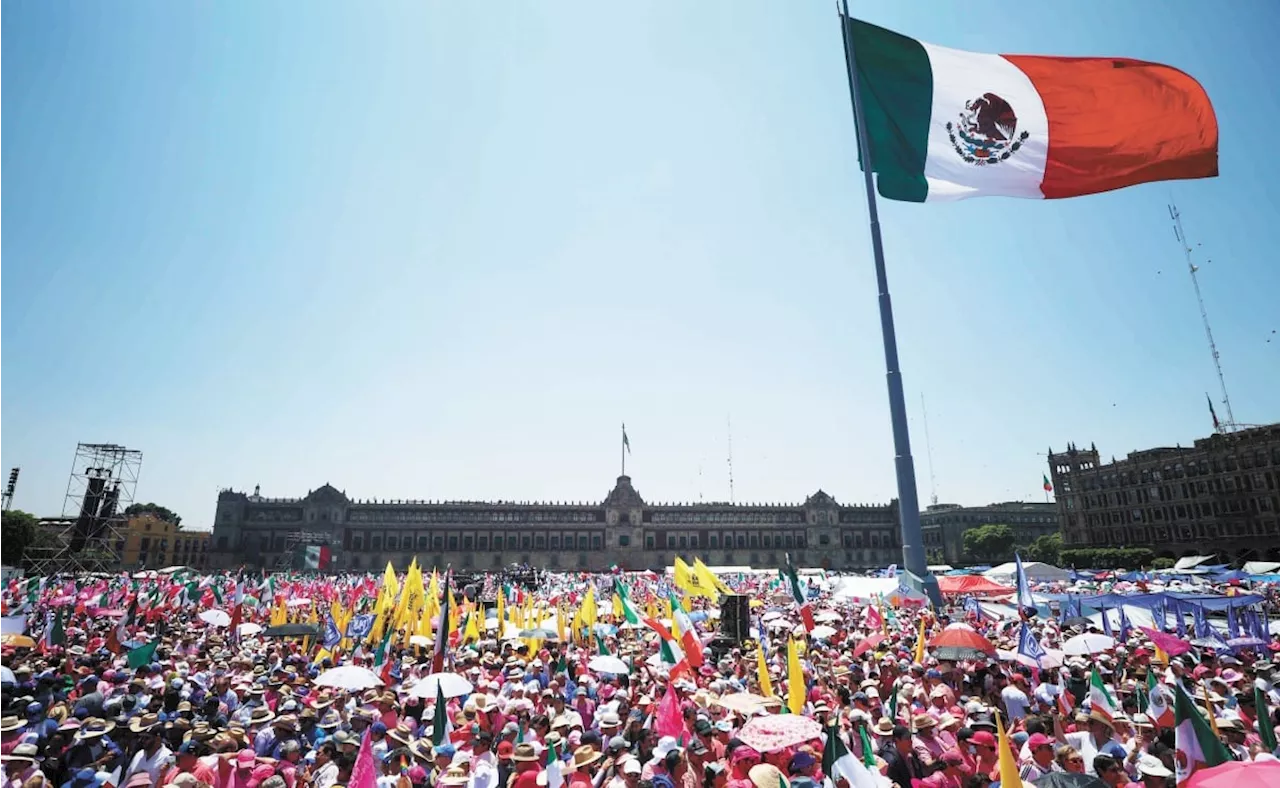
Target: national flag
x: 1158, y: 702
x: 142, y: 655
x: 629, y: 612
x: 1195, y: 744
x: 1025, y: 601
x: 1048, y: 486
x: 1066, y: 702
x: 945, y: 124
x: 796, y: 689
x: 868, y: 751
x: 839, y: 764
x: 440, y: 725
x: 668, y: 650
x: 1100, y: 698
x: 626, y: 442
x: 689, y: 642
x: 1212, y: 414
x: 442, y: 632
x: 55, y: 633
x: 1266, y: 731
x: 316, y: 557
x: 1030, y: 651
x: 554, y: 766
x: 1007, y: 763
x: 797, y: 591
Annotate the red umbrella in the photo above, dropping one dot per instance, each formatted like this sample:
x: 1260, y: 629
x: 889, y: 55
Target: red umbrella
x: 961, y: 639
x: 868, y: 643
x: 1232, y: 774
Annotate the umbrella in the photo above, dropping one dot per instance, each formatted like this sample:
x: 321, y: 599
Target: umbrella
x: 540, y: 634
x: 867, y: 643
x: 217, y: 618
x: 828, y: 617
x: 419, y: 640
x: 452, y: 684
x: 744, y: 703
x: 822, y: 632
x: 1088, y: 643
x: 349, y: 677
x: 1255, y: 774
x: 778, y: 731
x: 960, y: 642
x: 298, y: 602
x: 771, y: 615
x: 6, y: 675
x: 605, y: 663
x: 249, y: 628
x: 17, y: 641
x: 1069, y: 780
x: 292, y: 631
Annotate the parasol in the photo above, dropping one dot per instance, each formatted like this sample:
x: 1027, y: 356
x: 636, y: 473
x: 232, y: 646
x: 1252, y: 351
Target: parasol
x: 538, y: 634
x: 867, y: 643
x: 1255, y: 774
x: 291, y: 631
x: 6, y: 675
x: 828, y: 617
x: 349, y: 677
x: 775, y: 732
x: 17, y: 641
x: 822, y: 632
x: 960, y: 642
x: 452, y: 684
x: 249, y: 628
x: 605, y: 663
x: 216, y: 618
x: 1069, y: 780
x: 744, y: 703
x: 1088, y: 643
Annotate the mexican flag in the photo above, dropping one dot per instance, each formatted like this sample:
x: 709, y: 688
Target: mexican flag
x: 1158, y: 702
x: 316, y: 557
x: 1100, y: 698
x: 944, y: 124
x: 1195, y: 744
x: 689, y: 642
x: 1048, y: 485
x: 797, y: 591
x: 838, y: 763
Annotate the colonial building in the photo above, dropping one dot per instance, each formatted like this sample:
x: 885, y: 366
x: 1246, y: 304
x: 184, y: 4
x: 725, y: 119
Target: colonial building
x: 622, y: 529
x: 1220, y: 496
x: 146, y: 542
x: 944, y: 526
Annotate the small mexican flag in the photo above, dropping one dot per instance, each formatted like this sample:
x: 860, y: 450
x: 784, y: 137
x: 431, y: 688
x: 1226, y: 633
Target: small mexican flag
x: 1195, y: 744
x: 945, y: 124
x: 1048, y: 487
x: 316, y: 557
x: 1100, y: 698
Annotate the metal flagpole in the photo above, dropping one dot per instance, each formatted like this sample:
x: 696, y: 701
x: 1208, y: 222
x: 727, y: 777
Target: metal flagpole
x: 913, y: 557
x: 624, y: 448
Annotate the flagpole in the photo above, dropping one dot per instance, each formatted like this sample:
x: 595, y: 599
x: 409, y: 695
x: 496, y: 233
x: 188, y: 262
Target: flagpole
x: 913, y: 558
x: 623, y: 449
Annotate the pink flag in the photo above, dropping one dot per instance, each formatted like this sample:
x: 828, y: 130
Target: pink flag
x: 1171, y: 645
x: 364, y: 774
x: 669, y: 721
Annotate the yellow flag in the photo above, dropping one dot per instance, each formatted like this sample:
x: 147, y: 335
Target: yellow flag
x: 689, y: 582
x: 561, y: 612
x: 502, y: 611
x: 795, y: 679
x: 589, y: 612
x: 1009, y: 777
x: 709, y: 579
x: 762, y: 673
x: 618, y: 612
x: 919, y: 655
x: 472, y: 633
x: 1160, y: 656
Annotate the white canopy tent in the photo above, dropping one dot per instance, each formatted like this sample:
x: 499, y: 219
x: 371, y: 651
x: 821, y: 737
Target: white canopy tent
x: 1037, y: 572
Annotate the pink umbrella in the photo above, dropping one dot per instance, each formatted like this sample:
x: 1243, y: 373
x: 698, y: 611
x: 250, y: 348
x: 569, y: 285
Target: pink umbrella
x: 779, y: 731
x: 1234, y: 774
x: 1168, y: 643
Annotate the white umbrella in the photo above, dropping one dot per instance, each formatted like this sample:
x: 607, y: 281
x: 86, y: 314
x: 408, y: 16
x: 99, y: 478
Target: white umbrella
x: 349, y: 677
x: 822, y: 632
x: 298, y: 602
x: 249, y: 628
x: 217, y: 618
x: 1088, y: 643
x: 828, y: 617
x: 606, y: 663
x: 419, y: 640
x: 771, y: 615
x: 453, y: 685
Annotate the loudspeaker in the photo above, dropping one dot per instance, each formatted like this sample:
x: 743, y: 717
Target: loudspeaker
x: 735, y: 617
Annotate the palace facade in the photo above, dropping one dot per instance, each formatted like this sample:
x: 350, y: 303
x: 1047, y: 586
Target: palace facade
x: 622, y: 529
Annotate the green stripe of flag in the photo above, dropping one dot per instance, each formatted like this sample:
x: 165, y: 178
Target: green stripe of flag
x: 896, y: 86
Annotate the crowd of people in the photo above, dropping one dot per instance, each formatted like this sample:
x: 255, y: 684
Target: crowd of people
x: 126, y: 682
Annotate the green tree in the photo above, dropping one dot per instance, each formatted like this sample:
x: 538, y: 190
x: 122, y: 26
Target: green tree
x: 154, y: 509
x: 1163, y: 563
x: 991, y: 542
x: 1045, y: 548
x: 18, y: 531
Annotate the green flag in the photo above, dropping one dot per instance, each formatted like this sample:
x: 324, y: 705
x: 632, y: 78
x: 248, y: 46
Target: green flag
x: 1266, y: 731
x: 440, y: 720
x: 1195, y: 744
x: 142, y: 655
x: 868, y: 752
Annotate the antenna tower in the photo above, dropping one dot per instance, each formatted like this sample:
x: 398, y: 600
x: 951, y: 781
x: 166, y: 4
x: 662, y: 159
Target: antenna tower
x: 730, y: 422
x: 928, y: 447
x: 1229, y: 423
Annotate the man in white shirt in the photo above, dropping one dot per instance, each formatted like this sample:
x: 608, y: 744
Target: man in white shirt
x: 1015, y: 697
x: 154, y: 758
x: 484, y: 764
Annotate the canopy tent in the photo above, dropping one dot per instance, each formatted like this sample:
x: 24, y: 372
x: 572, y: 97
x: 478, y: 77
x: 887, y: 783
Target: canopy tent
x: 848, y: 588
x: 1261, y: 567
x: 1037, y: 572
x: 971, y: 585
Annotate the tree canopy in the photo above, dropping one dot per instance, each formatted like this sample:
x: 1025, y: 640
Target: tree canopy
x: 992, y: 542
x: 18, y: 531
x: 154, y: 509
x: 1045, y: 548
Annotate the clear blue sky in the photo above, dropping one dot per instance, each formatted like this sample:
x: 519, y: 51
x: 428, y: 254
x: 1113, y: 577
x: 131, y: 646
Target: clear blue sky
x: 442, y: 250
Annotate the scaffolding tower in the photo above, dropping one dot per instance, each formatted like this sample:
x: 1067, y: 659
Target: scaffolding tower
x: 104, y: 478
x: 296, y: 539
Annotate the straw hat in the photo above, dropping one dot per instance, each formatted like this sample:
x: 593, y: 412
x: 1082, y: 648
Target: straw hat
x: 524, y: 752
x: 11, y: 723
x: 93, y: 728
x: 923, y: 722
x: 883, y: 727
x: 145, y: 723
x: 585, y: 756
x: 261, y: 716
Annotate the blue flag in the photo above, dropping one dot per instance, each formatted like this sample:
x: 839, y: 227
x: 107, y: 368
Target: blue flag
x: 360, y: 626
x: 1124, y: 625
x: 332, y: 636
x: 1106, y: 623
x: 1024, y: 589
x: 1029, y: 647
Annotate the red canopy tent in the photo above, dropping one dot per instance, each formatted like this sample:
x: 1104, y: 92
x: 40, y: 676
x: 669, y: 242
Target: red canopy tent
x: 971, y: 585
